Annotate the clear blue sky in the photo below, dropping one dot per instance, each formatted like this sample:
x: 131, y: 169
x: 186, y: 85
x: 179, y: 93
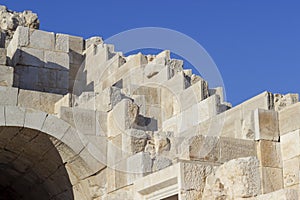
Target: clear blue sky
x: 255, y: 44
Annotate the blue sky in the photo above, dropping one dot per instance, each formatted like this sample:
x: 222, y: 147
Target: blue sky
x: 255, y: 44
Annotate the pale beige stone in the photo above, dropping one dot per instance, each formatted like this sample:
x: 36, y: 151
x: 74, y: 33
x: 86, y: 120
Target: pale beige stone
x: 6, y: 76
x: 291, y: 172
x: 269, y: 154
x: 238, y: 178
x: 56, y: 60
x: 287, y: 125
x: 14, y: 116
x: 290, y: 145
x: 266, y: 125
x: 272, y: 179
x: 285, y: 194
x: 41, y: 40
x: 62, y: 42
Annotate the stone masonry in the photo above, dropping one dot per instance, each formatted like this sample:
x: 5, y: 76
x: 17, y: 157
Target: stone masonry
x: 80, y: 121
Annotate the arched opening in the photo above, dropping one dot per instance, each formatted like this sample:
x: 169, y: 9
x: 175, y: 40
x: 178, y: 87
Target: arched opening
x: 31, y: 166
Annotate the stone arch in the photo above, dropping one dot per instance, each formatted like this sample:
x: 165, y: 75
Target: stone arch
x: 40, y: 152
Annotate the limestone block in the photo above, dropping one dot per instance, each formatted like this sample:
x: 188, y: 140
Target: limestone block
x: 34, y: 119
x: 235, y: 179
x: 269, y: 154
x: 38, y: 100
x: 192, y: 95
x: 9, y: 96
x: 76, y: 44
x: 290, y: 145
x: 152, y: 94
x: 162, y: 76
x: 94, y: 164
x: 152, y: 69
x: 55, y: 127
x: 114, y: 152
x: 41, y: 39
x: 289, y: 119
x: 93, y: 41
x: 235, y: 148
x: 266, y: 125
x: 56, y: 60
x: 193, y: 178
x: 203, y: 148
x: 284, y: 194
x: 14, y: 116
x: 62, y: 42
x: 261, y: 101
x: 66, y: 101
x: 134, y: 141
x: 31, y: 56
x: 21, y: 37
x: 85, y: 121
x: 2, y: 56
x: 122, y: 117
x: 6, y: 76
x: 282, y: 101
x: 291, y: 172
x: 272, y: 179
x: 161, y: 162
x: 109, y: 97
x: 177, y: 83
x: 140, y: 163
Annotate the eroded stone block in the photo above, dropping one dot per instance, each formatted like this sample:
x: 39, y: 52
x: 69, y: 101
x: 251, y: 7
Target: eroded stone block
x: 41, y: 39
x: 289, y: 119
x: 266, y: 125
x: 62, y: 42
x: 290, y: 144
x: 269, y: 154
x: 6, y: 76
x: 56, y: 60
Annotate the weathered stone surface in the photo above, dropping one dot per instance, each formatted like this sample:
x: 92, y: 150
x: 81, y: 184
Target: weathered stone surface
x: 9, y: 96
x: 15, y: 19
x: 234, y: 148
x: 134, y: 141
x: 289, y: 119
x: 285, y: 194
x: 272, y: 179
x: 122, y: 117
x: 62, y: 42
x: 133, y: 127
x: 238, y: 178
x: 291, y: 172
x: 56, y: 60
x: 14, y: 116
x: 282, y: 101
x: 41, y: 40
x: 38, y: 100
x: 290, y: 145
x: 269, y: 154
x: 6, y: 76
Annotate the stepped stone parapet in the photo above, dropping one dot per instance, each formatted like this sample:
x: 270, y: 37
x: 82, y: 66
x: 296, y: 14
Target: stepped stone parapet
x: 81, y: 121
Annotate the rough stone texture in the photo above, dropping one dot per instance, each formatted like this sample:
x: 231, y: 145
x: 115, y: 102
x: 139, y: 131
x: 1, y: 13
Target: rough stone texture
x: 236, y: 179
x: 266, y: 125
x: 79, y: 120
x: 10, y: 20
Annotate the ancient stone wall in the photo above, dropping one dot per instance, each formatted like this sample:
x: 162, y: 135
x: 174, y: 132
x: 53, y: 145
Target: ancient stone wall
x: 79, y: 120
